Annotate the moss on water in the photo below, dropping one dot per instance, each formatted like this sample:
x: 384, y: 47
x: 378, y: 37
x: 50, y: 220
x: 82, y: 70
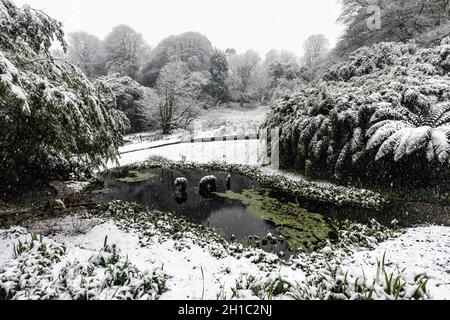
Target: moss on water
x: 137, y: 176
x: 300, y: 228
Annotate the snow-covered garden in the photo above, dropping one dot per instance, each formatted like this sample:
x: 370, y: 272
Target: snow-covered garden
x: 127, y: 254
x: 122, y: 251
x: 123, y: 182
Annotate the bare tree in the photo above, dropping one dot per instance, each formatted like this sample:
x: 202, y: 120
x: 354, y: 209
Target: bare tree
x: 244, y: 68
x: 177, y: 107
x: 85, y: 51
x: 315, y: 48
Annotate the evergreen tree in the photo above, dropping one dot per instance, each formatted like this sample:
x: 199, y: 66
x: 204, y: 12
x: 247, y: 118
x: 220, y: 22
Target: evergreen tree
x: 53, y: 121
x: 218, y: 87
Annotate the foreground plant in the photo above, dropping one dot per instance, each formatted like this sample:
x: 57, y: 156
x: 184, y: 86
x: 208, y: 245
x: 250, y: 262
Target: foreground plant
x: 41, y: 270
x: 323, y: 273
x: 335, y: 282
x: 418, y: 126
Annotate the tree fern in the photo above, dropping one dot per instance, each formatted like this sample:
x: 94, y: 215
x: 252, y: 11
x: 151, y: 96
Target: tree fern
x: 399, y: 132
x: 391, y: 98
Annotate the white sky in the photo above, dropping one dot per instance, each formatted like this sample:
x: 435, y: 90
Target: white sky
x: 241, y: 24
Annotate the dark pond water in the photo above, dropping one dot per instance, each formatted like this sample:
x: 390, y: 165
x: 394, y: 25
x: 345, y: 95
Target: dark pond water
x: 240, y: 209
x: 228, y: 216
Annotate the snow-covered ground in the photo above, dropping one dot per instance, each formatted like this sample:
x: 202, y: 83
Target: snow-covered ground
x: 217, y: 123
x: 230, y: 121
x: 236, y: 115
x: 236, y: 152
x: 191, y: 270
x: 420, y: 250
x: 194, y: 273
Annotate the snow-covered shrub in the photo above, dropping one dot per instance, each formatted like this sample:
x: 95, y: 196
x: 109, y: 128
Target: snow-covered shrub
x: 139, y: 103
x: 109, y: 275
x: 208, y: 179
x: 329, y: 280
x: 335, y: 282
x: 247, y: 287
x: 325, y: 129
x: 352, y: 235
x: 36, y: 273
x: 181, y: 184
x: 52, y: 119
x: 207, y: 186
x: 29, y: 274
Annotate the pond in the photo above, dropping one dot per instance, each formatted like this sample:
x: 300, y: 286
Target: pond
x: 234, y: 205
x: 241, y: 209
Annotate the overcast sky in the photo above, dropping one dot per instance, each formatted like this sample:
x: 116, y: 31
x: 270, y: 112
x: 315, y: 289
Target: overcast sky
x: 240, y: 24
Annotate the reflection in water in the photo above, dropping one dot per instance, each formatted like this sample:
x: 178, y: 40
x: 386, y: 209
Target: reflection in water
x: 203, y: 198
x: 182, y: 193
x: 239, y: 207
x: 181, y: 197
x: 228, y: 183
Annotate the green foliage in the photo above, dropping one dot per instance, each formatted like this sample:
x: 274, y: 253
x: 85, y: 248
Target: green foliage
x: 331, y: 281
x: 368, y: 235
x: 265, y: 289
x: 301, y: 229
x: 335, y: 283
x: 397, y: 130
x: 136, y: 177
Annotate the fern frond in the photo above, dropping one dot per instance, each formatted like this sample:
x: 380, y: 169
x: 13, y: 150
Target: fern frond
x: 440, y: 145
x: 441, y: 114
x: 389, y: 146
x: 417, y: 139
x: 385, y: 132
